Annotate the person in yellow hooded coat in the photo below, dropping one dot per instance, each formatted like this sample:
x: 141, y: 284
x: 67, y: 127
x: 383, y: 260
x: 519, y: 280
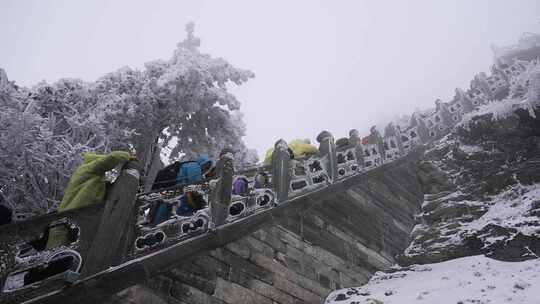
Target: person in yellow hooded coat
x: 86, y: 186
x: 301, y: 148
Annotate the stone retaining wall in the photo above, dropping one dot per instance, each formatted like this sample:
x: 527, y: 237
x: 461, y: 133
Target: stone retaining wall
x: 299, y: 258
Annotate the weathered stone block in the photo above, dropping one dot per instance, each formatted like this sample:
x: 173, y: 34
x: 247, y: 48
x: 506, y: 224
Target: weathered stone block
x: 189, y: 294
x: 204, y: 283
x: 259, y: 246
x: 299, y: 292
x: 271, y: 292
x: 334, y: 241
x: 281, y: 271
x: 324, y: 280
x: 237, y: 263
x: 239, y: 248
x: 232, y: 293
x: 270, y: 236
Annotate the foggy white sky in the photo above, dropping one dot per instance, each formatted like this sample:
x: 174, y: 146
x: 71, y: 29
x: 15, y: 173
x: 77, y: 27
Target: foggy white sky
x: 332, y: 65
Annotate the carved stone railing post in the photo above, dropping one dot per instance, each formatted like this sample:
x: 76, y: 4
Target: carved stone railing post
x: 281, y: 176
x: 220, y: 197
x: 110, y: 243
x: 356, y: 142
x: 327, y: 148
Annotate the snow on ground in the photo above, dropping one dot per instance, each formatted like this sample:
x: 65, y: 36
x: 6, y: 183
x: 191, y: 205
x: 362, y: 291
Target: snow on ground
x: 473, y: 279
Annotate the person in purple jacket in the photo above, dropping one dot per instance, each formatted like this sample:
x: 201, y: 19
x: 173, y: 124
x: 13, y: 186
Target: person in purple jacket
x: 240, y: 186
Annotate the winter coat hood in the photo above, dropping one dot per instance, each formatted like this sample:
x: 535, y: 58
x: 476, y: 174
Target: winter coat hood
x: 90, y: 157
x: 86, y: 186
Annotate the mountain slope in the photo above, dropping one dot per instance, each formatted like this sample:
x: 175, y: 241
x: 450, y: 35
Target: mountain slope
x: 478, y: 235
x: 474, y: 279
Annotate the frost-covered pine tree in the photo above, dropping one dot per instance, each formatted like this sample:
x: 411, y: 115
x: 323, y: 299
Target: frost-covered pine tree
x: 184, y: 98
x: 48, y: 127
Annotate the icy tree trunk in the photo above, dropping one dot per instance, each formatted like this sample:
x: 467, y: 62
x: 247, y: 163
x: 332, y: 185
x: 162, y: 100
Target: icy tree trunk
x: 153, y: 168
x: 148, y: 153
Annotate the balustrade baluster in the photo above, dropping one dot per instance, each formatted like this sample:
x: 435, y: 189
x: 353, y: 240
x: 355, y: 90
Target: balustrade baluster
x: 110, y: 242
x: 220, y: 197
x: 281, y: 175
x: 356, y: 142
x: 327, y: 148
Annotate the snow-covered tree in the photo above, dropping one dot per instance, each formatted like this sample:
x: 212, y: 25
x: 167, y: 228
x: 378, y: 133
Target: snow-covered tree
x: 186, y: 95
x: 47, y: 127
x: 33, y: 161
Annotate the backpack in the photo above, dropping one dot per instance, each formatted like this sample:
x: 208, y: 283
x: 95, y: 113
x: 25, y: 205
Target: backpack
x: 240, y: 186
x: 166, y: 177
x: 186, y: 172
x: 190, y: 172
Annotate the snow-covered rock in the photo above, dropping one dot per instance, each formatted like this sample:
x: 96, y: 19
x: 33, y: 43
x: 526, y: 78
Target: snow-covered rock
x: 491, y: 202
x: 477, y: 239
x: 473, y: 279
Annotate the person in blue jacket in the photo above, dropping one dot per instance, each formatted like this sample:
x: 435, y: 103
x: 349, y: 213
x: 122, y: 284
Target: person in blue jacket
x: 190, y: 202
x: 194, y: 171
x: 189, y: 172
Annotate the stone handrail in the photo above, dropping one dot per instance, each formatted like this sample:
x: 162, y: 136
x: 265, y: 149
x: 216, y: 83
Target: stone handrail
x: 109, y: 234
x: 121, y: 230
x: 28, y: 268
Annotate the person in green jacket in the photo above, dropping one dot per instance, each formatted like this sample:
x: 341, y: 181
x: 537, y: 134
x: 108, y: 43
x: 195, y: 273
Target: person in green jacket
x: 301, y: 149
x: 86, y: 186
